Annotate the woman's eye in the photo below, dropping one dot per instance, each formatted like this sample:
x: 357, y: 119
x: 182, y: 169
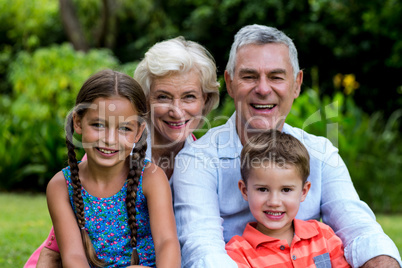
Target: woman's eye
x: 162, y: 97
x: 190, y: 97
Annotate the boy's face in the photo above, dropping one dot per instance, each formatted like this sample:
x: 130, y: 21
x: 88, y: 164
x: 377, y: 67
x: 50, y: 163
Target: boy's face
x: 274, y: 194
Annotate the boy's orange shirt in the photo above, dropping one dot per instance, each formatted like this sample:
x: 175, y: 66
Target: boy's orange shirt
x: 314, y: 245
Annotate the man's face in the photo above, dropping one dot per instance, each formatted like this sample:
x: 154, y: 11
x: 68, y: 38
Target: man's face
x: 263, y: 86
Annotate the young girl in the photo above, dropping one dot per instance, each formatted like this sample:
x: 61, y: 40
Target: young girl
x: 115, y: 209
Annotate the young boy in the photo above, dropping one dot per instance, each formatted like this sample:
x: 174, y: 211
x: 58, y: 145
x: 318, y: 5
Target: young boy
x: 274, y: 169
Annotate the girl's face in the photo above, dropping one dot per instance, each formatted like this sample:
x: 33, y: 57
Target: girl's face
x: 176, y: 103
x: 109, y: 129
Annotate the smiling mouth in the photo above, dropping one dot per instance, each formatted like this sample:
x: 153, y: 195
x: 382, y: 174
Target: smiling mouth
x: 273, y: 213
x: 176, y: 124
x: 263, y: 106
x: 106, y: 151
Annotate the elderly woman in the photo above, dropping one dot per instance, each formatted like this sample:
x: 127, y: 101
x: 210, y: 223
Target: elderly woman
x: 179, y: 80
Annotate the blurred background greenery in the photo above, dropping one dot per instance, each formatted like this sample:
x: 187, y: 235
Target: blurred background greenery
x: 350, y: 51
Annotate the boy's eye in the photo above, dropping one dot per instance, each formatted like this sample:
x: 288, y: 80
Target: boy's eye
x: 287, y: 190
x: 262, y: 189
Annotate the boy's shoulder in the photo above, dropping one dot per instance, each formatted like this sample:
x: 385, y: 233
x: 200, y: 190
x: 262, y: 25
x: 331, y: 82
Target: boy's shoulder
x: 312, y: 228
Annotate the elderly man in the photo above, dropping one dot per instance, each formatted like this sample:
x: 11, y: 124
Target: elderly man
x: 263, y: 78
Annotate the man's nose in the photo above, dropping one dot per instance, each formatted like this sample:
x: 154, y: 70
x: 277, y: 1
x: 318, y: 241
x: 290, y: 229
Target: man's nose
x: 263, y: 87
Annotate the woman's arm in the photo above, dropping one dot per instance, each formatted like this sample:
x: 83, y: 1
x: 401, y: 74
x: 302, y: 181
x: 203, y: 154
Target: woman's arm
x: 65, y: 224
x: 163, y: 226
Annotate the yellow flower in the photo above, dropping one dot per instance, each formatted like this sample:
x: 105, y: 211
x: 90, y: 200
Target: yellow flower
x: 350, y: 84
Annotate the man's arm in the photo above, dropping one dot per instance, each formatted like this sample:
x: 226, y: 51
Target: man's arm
x: 198, y: 219
x: 49, y: 259
x: 352, y: 219
x: 381, y: 261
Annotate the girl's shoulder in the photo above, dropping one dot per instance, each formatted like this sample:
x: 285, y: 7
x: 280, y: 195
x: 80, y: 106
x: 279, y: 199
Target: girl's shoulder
x: 153, y: 172
x: 57, y: 185
x: 57, y: 179
x: 153, y: 176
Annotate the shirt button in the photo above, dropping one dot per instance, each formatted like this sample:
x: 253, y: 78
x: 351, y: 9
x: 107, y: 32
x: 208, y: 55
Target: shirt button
x: 52, y: 237
x: 49, y: 244
x: 294, y: 257
x: 282, y: 247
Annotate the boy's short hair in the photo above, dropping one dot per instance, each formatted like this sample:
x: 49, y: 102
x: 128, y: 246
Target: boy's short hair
x: 275, y: 148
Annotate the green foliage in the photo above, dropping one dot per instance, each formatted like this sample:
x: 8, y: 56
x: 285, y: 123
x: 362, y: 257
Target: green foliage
x: 45, y: 84
x: 47, y: 81
x: 29, y: 24
x: 369, y: 145
x: 26, y: 25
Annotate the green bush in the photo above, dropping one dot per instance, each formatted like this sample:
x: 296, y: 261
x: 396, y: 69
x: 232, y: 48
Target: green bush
x: 44, y: 86
x: 370, y: 145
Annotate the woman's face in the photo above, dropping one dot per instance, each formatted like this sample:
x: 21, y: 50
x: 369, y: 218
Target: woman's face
x: 176, y: 104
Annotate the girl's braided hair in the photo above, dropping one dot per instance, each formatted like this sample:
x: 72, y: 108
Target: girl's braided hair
x: 108, y: 83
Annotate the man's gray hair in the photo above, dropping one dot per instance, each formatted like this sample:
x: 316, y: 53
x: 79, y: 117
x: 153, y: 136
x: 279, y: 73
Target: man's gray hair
x: 260, y: 35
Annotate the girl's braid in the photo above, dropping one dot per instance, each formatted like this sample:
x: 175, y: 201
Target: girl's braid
x: 136, y: 166
x: 77, y: 197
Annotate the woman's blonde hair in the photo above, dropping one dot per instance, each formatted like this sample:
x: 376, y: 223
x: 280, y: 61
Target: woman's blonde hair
x: 179, y: 56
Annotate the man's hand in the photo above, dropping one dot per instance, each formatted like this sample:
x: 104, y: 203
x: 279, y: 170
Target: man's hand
x: 49, y: 259
x: 382, y: 261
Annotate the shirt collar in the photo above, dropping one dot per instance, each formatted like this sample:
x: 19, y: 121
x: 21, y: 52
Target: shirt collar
x: 228, y: 141
x: 303, y: 230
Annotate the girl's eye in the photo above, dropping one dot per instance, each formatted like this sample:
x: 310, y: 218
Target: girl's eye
x: 287, y: 190
x: 98, y: 125
x: 124, y: 129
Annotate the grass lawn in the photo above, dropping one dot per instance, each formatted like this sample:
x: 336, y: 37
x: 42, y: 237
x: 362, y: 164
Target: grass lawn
x: 25, y: 223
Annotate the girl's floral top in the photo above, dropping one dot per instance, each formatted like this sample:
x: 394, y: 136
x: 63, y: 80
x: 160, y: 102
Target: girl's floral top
x: 106, y: 221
